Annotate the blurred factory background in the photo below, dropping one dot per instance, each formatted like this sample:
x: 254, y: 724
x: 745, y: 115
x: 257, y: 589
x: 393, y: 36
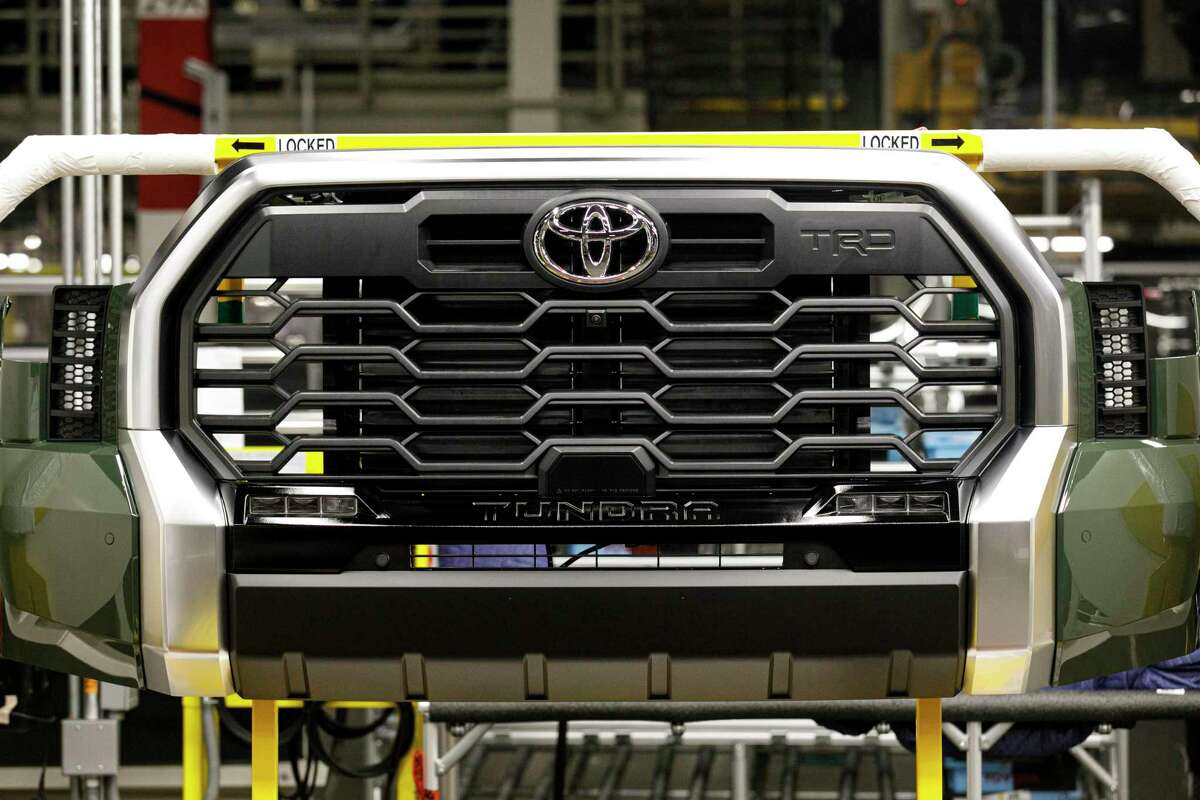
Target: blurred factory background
x: 274, y: 66
x: 571, y: 65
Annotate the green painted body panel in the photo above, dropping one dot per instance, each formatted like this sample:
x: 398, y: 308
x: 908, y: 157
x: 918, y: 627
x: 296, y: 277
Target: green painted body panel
x: 69, y: 558
x: 1175, y: 397
x: 1128, y: 555
x: 68, y: 538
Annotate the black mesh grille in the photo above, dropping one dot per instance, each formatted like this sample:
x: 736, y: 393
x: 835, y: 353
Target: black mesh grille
x: 76, y: 363
x: 1119, y: 343
x: 383, y: 379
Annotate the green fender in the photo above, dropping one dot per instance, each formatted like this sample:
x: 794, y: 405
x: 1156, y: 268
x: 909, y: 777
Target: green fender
x: 68, y: 535
x: 1128, y: 555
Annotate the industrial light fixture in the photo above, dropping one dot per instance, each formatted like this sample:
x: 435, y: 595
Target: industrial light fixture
x: 1070, y: 244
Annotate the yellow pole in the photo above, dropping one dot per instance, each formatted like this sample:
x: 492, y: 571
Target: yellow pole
x: 406, y: 784
x: 264, y: 750
x: 929, y: 749
x: 193, y: 750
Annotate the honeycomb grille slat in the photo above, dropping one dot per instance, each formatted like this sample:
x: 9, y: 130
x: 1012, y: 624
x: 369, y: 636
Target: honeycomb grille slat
x: 76, y: 363
x: 1119, y: 335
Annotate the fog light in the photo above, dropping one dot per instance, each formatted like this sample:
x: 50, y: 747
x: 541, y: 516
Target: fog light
x: 891, y: 503
x: 931, y: 503
x: 854, y: 504
x: 885, y: 504
x: 301, y: 505
x: 268, y: 506
x: 304, y: 505
x: 339, y: 505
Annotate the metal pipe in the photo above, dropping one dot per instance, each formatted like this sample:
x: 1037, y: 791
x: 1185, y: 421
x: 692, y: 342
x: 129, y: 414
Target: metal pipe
x: 1122, y: 737
x: 116, y: 217
x: 1091, y: 221
x: 698, y: 785
x: 740, y: 772
x: 74, y: 692
x: 33, y: 53
x: 1065, y: 706
x: 825, y: 32
x: 1046, y: 221
x: 974, y: 761
x: 87, y: 126
x: 848, y: 782
x: 616, y: 53
x: 994, y: 734
x: 98, y: 76
x: 1094, y: 767
x: 955, y: 735
x: 616, y: 769
x: 112, y: 790
x: 431, y: 745
x: 308, y: 99
x: 512, y: 779
x: 470, y: 771
x: 67, y: 90
x: 212, y: 747
x: 787, y: 779
x: 664, y: 762
x: 885, y: 776
x: 92, y: 784
x: 463, y: 746
x: 1049, y: 95
x: 579, y: 768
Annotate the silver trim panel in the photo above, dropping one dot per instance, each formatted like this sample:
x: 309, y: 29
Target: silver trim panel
x: 1012, y: 532
x: 182, y: 547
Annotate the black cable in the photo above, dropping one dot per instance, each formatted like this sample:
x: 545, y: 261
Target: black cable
x: 587, y: 551
x: 306, y: 782
x: 242, y: 733
x: 400, y: 745
x: 560, y: 761
x: 34, y: 718
x: 338, y: 729
x: 50, y: 731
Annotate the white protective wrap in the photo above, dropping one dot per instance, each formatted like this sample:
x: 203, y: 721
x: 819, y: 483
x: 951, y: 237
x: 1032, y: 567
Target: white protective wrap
x: 38, y: 160
x: 1149, y: 151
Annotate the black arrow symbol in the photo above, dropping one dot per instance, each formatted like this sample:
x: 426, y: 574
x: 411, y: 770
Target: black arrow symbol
x: 239, y: 145
x: 956, y: 142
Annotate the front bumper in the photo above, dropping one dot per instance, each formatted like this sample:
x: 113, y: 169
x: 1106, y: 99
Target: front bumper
x: 598, y: 634
x: 195, y: 612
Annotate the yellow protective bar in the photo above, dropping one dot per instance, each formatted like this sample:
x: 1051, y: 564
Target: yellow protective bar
x: 237, y: 701
x: 929, y: 749
x: 193, y: 749
x: 967, y: 145
x: 264, y: 750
